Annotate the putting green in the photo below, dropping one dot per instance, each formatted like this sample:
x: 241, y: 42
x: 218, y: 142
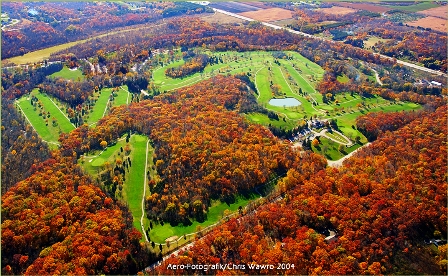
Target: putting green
x: 97, y: 162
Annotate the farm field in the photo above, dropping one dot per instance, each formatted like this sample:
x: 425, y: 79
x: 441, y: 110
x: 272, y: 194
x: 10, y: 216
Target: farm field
x: 435, y: 23
x: 41, y: 55
x: 364, y: 6
x: 337, y: 10
x: 266, y: 15
x: 441, y: 12
x: 421, y: 6
x: 233, y: 7
x: 221, y: 18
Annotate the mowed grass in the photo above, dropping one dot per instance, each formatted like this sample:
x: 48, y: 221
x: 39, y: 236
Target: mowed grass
x: 233, y: 62
x: 372, y: 40
x: 330, y: 149
x: 46, y: 130
x: 160, y: 233
x: 97, y: 112
x: 132, y: 192
x: 66, y: 73
x: 135, y: 179
x: 50, y: 134
x: 50, y: 105
x: 123, y: 97
x: 263, y: 119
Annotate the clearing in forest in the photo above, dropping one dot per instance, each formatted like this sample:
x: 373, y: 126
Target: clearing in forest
x: 105, y: 99
x: 69, y: 74
x: 46, y: 115
x: 290, y: 77
x: 132, y: 189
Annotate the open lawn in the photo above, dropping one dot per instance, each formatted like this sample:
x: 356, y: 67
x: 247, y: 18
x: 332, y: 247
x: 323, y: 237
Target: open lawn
x: 45, y: 127
x: 51, y: 105
x: 342, y: 78
x: 291, y: 74
x: 123, y: 96
x: 133, y: 187
x: 47, y: 133
x: 160, y: 233
x: 100, y: 106
x: 330, y: 149
x: 132, y: 193
x: 233, y: 62
x: 69, y: 74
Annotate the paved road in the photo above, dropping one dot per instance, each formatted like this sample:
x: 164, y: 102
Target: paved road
x: 338, y: 163
x: 414, y: 66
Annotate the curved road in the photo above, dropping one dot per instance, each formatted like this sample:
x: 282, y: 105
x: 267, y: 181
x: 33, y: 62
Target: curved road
x: 338, y: 163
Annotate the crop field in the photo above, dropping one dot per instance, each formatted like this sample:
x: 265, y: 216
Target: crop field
x: 365, y: 6
x: 420, y: 6
x: 337, y: 10
x: 256, y: 4
x: 221, y: 18
x: 266, y: 15
x: 441, y: 12
x: 41, y: 55
x: 234, y: 7
x: 435, y: 23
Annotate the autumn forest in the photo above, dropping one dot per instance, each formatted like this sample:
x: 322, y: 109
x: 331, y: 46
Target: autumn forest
x: 225, y: 137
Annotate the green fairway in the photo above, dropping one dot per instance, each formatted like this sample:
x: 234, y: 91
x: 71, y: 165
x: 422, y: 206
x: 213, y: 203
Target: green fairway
x: 99, y: 109
x: 160, y: 233
x: 52, y: 125
x: 135, y: 179
x: 233, y: 62
x: 330, y: 149
x: 123, y: 96
x: 66, y: 73
x: 95, y: 160
x: 132, y: 193
x: 50, y: 105
x: 46, y: 133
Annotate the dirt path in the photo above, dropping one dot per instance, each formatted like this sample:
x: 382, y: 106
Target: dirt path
x: 144, y: 193
x: 377, y: 77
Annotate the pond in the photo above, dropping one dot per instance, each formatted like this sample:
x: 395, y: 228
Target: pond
x: 285, y: 102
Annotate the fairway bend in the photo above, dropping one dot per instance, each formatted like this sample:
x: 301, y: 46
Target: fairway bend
x: 144, y: 193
